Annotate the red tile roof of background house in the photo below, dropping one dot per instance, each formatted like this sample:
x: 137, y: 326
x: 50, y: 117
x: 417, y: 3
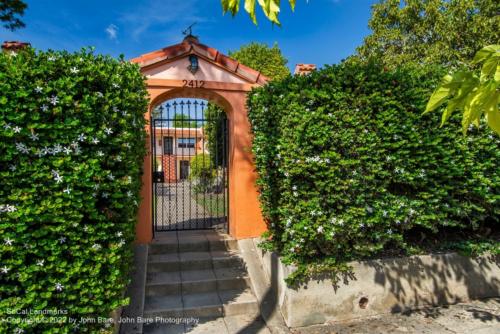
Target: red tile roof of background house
x: 191, y: 45
x: 302, y: 69
x: 14, y: 45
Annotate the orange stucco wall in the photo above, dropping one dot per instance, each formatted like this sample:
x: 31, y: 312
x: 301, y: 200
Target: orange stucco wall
x: 245, y: 218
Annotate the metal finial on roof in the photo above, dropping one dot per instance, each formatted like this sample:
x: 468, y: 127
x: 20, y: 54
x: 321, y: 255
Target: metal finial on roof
x: 189, y: 30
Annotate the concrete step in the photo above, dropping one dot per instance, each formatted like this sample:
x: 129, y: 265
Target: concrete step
x: 193, y: 261
x: 193, y: 244
x: 164, y: 283
x: 204, y: 304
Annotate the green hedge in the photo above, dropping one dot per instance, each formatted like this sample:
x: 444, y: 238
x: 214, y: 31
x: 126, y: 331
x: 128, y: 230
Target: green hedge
x: 350, y: 169
x: 71, y: 152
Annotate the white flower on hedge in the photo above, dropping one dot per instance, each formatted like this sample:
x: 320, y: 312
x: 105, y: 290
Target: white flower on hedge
x: 398, y: 170
x: 57, y: 177
x: 286, y: 174
x: 320, y: 229
x: 118, y: 158
x: 100, y: 94
x: 82, y: 137
x: 51, y: 58
x: 411, y: 212
x: 54, y: 100
x: 67, y: 190
x: 129, y: 193
x: 85, y: 228
x: 67, y: 150
x: 96, y: 186
x: 384, y: 213
x: 389, y: 231
x: 288, y: 222
x: 111, y: 177
x: 16, y: 129
x: 40, y: 263
x: 294, y: 188
x: 115, y: 85
x: 369, y: 209
x: 74, y: 70
x: 127, y: 145
x: 95, y: 140
x: 295, y: 194
x: 59, y: 287
x: 44, y: 107
x: 422, y: 173
x: 7, y: 126
x: 8, y: 241
x: 105, y: 195
x: 34, y: 136
x: 39, y: 153
x: 13, y: 168
x: 100, y: 154
x: 361, y: 225
x: 38, y: 89
x: 5, y: 270
x: 62, y: 240
x: 22, y: 148
x: 18, y: 331
x: 57, y: 148
x: 108, y: 131
x: 119, y: 234
x: 96, y: 246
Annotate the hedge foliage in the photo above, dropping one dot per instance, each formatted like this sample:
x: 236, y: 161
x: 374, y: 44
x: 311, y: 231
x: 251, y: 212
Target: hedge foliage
x: 71, y: 152
x: 350, y: 169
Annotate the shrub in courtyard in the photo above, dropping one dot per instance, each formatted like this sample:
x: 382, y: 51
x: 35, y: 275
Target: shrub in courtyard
x: 71, y: 150
x: 350, y: 169
x: 202, y: 172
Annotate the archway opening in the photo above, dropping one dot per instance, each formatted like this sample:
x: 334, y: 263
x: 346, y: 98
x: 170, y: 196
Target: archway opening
x: 190, y: 164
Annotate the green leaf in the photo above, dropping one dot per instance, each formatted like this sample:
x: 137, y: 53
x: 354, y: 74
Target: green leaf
x: 485, y: 53
x: 440, y: 95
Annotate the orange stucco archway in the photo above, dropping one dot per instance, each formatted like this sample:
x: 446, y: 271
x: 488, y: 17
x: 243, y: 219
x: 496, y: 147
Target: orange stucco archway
x: 225, y: 82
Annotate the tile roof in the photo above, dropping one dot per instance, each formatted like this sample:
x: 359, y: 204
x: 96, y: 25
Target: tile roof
x: 191, y: 45
x: 14, y: 45
x: 302, y: 69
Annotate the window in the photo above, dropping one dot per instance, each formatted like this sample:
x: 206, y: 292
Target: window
x: 186, y: 142
x: 168, y: 145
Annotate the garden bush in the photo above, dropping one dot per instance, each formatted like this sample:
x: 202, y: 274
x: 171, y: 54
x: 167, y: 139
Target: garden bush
x: 71, y: 153
x: 202, y: 172
x: 350, y: 169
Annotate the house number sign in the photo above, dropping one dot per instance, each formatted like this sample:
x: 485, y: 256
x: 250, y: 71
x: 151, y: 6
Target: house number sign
x: 193, y: 83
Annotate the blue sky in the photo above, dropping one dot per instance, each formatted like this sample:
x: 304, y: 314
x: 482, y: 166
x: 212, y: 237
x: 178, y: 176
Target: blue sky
x: 319, y: 32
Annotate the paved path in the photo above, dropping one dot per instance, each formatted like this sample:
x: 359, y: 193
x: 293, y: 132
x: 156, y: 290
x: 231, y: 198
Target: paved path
x: 477, y: 317
x: 177, y: 209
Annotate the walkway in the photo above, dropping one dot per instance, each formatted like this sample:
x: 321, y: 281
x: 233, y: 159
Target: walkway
x: 475, y: 317
x: 177, y: 209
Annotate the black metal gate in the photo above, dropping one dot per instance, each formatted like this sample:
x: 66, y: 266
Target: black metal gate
x: 190, y: 166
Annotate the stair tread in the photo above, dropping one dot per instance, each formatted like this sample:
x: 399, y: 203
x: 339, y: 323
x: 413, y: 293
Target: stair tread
x: 192, y: 256
x: 196, y: 275
x: 199, y: 300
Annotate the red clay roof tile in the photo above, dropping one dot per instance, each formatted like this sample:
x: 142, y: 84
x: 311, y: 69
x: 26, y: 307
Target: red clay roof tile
x: 191, y: 45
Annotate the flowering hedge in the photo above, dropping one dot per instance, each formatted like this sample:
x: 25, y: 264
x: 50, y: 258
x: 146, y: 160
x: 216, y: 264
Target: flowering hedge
x: 349, y: 168
x: 71, y: 149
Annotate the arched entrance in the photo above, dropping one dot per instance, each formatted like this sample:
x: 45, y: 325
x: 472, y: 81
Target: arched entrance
x: 189, y: 140
x: 191, y: 70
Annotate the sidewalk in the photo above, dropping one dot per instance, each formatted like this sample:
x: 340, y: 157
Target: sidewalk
x: 476, y: 317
